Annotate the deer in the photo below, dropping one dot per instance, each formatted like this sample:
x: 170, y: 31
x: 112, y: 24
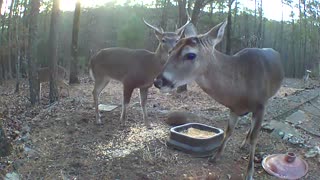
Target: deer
x: 44, y: 76
x: 243, y: 82
x: 134, y: 68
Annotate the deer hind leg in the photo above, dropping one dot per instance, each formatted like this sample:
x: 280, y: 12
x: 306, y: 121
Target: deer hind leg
x: 40, y: 92
x: 143, y: 102
x: 60, y: 85
x: 246, y: 140
x: 127, y: 92
x: 99, y: 85
x: 66, y: 86
x: 233, y: 120
x: 257, y: 118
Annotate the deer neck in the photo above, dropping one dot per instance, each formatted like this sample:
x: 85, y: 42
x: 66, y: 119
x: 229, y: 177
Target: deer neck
x: 161, y: 54
x: 221, y: 78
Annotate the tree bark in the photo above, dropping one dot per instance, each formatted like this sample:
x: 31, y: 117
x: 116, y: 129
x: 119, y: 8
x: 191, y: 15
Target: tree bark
x: 259, y: 32
x: 1, y: 59
x: 298, y: 63
x: 305, y: 55
x: 293, y: 59
x: 164, y: 16
x: 74, y: 45
x: 182, y: 20
x: 182, y: 12
x: 229, y: 28
x: 1, y: 2
x: 5, y: 145
x: 53, y: 48
x: 32, y: 51
x: 9, y: 36
x: 196, y: 12
x: 18, y: 50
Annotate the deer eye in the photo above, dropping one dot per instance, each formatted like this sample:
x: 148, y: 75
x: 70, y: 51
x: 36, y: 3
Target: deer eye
x: 163, y: 40
x: 190, y: 56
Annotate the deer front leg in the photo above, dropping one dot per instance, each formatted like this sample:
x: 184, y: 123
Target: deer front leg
x: 233, y: 120
x: 127, y: 92
x: 143, y: 102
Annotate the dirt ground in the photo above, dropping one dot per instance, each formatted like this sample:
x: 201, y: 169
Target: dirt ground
x: 62, y: 141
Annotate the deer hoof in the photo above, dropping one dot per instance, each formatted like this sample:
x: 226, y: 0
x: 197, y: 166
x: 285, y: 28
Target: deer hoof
x: 249, y: 178
x: 243, y: 145
x: 98, y: 122
x: 212, y: 159
x: 148, y: 125
x: 122, y: 122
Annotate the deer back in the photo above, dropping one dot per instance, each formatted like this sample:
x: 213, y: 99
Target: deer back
x: 44, y: 74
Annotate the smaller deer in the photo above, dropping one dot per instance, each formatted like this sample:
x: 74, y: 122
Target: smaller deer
x: 44, y: 76
x: 134, y: 68
x: 306, y: 76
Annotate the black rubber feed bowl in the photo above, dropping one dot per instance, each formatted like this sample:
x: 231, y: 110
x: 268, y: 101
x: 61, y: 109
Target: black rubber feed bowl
x: 198, y: 147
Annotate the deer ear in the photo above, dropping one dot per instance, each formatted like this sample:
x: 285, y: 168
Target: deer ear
x: 216, y: 33
x: 190, y: 30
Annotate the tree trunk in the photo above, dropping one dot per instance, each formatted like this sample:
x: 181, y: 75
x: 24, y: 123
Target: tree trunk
x: 298, y: 63
x: 18, y: 47
x: 164, y: 16
x: 9, y: 36
x: 74, y: 46
x: 182, y: 20
x: 235, y: 19
x: 32, y: 51
x: 305, y: 58
x: 196, y: 12
x: 259, y: 32
x: 5, y: 145
x: 211, y: 11
x: 281, y: 29
x: 293, y: 59
x: 1, y: 2
x: 255, y: 15
x: 3, y: 58
x: 2, y: 19
x: 229, y: 28
x: 53, y: 48
x: 23, y: 62
x: 246, y: 29
x: 182, y: 12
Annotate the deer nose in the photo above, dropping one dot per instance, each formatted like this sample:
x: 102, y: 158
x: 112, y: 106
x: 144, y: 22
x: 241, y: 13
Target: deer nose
x: 158, y: 83
x: 161, y: 81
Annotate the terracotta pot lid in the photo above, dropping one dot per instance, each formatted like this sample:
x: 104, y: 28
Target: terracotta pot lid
x: 285, y: 166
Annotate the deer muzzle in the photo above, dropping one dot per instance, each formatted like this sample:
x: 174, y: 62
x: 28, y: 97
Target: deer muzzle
x: 161, y: 82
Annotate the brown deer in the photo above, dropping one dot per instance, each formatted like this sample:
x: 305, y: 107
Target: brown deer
x: 44, y: 76
x: 243, y: 82
x: 134, y: 68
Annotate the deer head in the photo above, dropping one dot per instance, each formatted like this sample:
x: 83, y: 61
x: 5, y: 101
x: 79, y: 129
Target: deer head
x: 190, y: 57
x: 167, y: 40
